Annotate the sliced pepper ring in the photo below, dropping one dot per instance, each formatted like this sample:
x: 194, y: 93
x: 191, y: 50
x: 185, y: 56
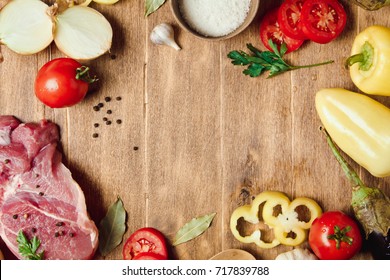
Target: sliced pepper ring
x: 287, y: 221
x: 283, y: 225
x: 250, y: 214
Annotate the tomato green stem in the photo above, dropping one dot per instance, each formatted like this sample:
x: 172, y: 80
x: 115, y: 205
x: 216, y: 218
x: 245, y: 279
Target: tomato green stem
x: 82, y: 73
x: 340, y: 235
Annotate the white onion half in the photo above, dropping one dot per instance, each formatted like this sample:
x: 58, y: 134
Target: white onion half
x: 82, y: 33
x: 25, y: 26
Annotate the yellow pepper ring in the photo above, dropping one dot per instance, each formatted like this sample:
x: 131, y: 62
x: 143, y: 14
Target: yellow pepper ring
x: 287, y: 221
x: 284, y: 224
x: 250, y: 214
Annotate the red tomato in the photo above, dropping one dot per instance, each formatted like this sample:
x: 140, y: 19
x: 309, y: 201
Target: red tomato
x: 289, y: 18
x: 270, y: 29
x: 58, y: 84
x: 145, y: 240
x: 323, y: 20
x: 148, y: 256
x: 335, y: 236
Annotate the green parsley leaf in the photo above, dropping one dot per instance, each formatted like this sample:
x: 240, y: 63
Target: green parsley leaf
x: 258, y: 61
x: 28, y: 248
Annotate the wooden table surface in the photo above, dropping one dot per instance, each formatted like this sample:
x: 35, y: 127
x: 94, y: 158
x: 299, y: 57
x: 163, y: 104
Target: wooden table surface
x: 197, y: 136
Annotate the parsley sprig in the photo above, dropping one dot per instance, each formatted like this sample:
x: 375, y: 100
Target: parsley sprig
x: 261, y: 61
x: 28, y: 248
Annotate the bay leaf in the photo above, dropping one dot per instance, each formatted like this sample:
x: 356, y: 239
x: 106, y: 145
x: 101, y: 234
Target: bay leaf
x: 152, y: 5
x: 112, y: 228
x: 193, y: 228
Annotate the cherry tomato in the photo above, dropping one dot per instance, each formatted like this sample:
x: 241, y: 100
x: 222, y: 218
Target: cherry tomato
x: 323, y: 20
x: 335, y: 236
x: 270, y: 29
x: 148, y: 256
x: 145, y: 240
x: 289, y: 18
x: 62, y: 82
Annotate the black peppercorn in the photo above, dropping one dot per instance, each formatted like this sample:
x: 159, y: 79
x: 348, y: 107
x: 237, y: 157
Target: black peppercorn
x: 108, y: 122
x: 105, y: 119
x: 14, y: 216
x: 41, y: 193
x: 96, y: 125
x: 95, y: 135
x: 100, y: 105
x: 6, y: 161
x: 107, y: 99
x: 118, y: 98
x: 96, y: 108
x: 118, y: 121
x: 109, y: 112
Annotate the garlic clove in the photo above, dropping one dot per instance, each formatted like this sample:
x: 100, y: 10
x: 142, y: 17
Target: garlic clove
x: 163, y: 34
x: 25, y: 27
x: 82, y: 33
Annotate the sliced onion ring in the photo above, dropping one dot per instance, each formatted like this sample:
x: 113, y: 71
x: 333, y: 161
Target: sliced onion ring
x: 82, y: 33
x: 25, y: 27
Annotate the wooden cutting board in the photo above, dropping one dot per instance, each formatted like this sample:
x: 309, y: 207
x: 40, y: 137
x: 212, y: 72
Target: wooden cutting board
x: 197, y: 136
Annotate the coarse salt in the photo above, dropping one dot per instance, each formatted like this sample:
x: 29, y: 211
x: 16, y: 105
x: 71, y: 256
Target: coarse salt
x: 214, y: 18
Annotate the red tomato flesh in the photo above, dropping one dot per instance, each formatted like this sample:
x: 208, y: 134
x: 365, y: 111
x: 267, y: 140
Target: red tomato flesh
x: 149, y: 256
x: 270, y: 29
x: 56, y: 84
x: 145, y: 240
x: 323, y: 20
x: 289, y: 18
x: 335, y: 236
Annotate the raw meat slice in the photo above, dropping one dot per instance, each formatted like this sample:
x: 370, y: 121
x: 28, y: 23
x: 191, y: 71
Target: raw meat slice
x: 38, y: 195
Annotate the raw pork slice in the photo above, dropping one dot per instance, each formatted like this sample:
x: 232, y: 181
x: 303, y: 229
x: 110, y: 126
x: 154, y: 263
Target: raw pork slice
x: 38, y: 195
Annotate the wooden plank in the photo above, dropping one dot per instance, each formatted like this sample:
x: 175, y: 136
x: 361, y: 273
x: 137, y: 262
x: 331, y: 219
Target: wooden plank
x: 183, y: 138
x: 197, y: 136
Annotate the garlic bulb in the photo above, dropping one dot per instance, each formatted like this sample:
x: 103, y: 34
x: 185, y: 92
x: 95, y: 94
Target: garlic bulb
x: 297, y: 254
x: 82, y: 33
x: 163, y: 34
x: 25, y: 27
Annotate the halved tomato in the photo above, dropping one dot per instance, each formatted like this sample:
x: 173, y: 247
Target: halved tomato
x: 323, y: 20
x: 270, y: 29
x: 289, y: 18
x: 145, y: 240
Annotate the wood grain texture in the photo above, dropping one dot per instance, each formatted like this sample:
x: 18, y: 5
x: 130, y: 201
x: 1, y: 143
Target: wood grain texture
x: 197, y: 136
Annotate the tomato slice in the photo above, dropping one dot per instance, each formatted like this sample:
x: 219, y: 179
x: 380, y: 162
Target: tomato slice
x: 323, y: 20
x: 289, y: 18
x: 270, y: 29
x: 145, y: 240
x: 149, y: 256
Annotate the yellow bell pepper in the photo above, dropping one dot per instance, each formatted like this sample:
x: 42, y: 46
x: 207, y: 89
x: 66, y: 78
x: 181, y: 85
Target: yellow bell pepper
x: 359, y: 125
x: 370, y: 60
x: 282, y: 224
